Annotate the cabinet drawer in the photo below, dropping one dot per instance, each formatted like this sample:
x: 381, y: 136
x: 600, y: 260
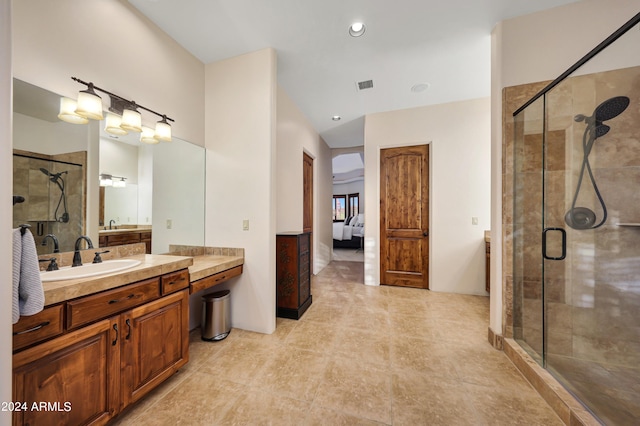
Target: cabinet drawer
x: 215, y: 279
x: 101, y: 305
x: 38, y: 327
x: 175, y: 281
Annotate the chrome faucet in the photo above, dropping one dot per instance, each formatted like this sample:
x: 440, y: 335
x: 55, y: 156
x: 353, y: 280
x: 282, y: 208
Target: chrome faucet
x: 77, y: 259
x: 111, y: 221
x: 56, y: 245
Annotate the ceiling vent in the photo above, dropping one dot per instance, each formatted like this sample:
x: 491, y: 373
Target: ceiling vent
x: 367, y: 84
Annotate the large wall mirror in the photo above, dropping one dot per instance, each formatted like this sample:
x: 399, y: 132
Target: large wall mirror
x: 158, y: 196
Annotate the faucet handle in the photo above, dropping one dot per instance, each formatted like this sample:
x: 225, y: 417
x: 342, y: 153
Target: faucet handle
x: 53, y: 265
x: 97, y: 258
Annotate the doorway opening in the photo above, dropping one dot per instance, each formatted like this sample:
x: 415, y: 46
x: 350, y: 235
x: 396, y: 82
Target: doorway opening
x: 348, y: 205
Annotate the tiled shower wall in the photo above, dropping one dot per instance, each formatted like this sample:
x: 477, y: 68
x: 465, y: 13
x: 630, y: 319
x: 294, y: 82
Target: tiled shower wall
x: 590, y: 304
x: 41, y: 196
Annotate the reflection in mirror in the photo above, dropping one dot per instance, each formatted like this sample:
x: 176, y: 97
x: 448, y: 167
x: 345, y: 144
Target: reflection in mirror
x: 162, y: 203
x: 49, y: 169
x: 163, y: 199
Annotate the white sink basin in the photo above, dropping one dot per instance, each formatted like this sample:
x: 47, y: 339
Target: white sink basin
x: 88, y: 270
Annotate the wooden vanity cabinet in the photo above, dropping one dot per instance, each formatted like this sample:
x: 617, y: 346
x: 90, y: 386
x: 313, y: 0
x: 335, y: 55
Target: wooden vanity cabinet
x: 107, y: 363
x: 155, y: 344
x: 44, y: 325
x: 118, y: 238
x: 77, y: 374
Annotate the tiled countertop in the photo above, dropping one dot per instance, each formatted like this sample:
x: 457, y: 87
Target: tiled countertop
x: 122, y: 231
x: 151, y: 266
x: 209, y: 264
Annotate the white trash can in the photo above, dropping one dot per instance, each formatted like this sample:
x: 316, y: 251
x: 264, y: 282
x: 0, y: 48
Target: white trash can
x: 216, y: 315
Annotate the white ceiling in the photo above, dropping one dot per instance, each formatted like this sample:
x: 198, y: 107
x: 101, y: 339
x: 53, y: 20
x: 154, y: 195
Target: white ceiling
x: 445, y: 43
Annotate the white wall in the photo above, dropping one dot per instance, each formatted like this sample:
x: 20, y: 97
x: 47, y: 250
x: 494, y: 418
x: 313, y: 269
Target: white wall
x: 119, y: 159
x: 35, y: 135
x: 240, y: 128
x: 6, y: 175
x: 295, y: 135
x: 540, y: 47
x: 111, y: 44
x: 459, y: 187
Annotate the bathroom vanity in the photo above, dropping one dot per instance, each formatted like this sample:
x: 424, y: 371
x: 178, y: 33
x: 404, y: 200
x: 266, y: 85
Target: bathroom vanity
x: 102, y: 343
x: 123, y: 235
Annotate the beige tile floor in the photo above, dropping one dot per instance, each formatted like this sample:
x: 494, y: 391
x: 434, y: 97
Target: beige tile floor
x: 359, y: 356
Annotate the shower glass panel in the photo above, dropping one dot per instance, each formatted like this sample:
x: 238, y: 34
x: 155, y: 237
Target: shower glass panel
x: 54, y: 193
x: 527, y: 262
x: 577, y: 231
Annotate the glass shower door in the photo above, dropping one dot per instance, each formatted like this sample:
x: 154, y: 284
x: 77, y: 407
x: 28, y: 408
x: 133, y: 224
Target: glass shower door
x: 527, y: 215
x: 592, y: 295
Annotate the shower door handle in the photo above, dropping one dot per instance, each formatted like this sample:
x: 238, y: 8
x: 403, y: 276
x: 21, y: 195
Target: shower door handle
x: 563, y: 233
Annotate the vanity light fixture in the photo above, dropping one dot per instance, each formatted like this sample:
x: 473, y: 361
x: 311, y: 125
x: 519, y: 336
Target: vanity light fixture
x: 106, y: 179
x: 336, y: 118
x: 357, y: 29
x: 112, y: 125
x: 163, y: 130
x: 109, y: 180
x: 119, y: 183
x: 148, y: 136
x: 68, y: 112
x: 89, y: 106
x: 131, y: 119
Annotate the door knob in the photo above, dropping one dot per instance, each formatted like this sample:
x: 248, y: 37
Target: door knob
x: 425, y: 234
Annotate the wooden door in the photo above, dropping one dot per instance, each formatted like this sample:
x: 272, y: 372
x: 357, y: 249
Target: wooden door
x: 404, y: 216
x: 307, y: 215
x: 155, y: 344
x: 80, y: 368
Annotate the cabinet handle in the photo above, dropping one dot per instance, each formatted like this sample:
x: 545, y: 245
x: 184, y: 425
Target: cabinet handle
x: 126, y: 298
x: 128, y: 322
x: 37, y: 327
x: 115, y: 327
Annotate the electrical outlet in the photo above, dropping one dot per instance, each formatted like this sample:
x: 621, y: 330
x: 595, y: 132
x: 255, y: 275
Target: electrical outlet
x: 474, y: 220
x: 169, y: 223
x: 245, y: 225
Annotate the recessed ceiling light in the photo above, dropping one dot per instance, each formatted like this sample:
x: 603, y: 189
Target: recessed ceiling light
x: 356, y: 29
x: 336, y: 118
x: 420, y: 87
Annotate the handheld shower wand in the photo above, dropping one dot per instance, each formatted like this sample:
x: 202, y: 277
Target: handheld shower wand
x: 583, y: 217
x: 58, y: 180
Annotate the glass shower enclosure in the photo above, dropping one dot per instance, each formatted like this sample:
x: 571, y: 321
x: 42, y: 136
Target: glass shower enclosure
x: 576, y: 234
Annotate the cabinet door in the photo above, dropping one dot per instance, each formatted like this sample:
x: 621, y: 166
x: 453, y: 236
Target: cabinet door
x: 72, y: 380
x: 155, y: 344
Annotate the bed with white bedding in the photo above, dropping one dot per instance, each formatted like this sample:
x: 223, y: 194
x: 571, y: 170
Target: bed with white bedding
x: 347, y: 234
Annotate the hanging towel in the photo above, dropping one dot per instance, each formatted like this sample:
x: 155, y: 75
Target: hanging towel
x: 28, y: 293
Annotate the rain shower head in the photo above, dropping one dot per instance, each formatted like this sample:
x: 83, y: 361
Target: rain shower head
x: 611, y: 108
x: 607, y: 110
